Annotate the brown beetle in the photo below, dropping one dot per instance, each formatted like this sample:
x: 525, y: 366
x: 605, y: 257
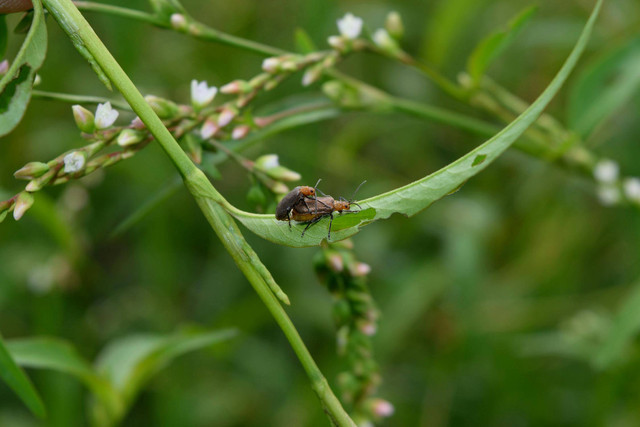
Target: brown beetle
x: 312, y: 211
x: 294, y: 197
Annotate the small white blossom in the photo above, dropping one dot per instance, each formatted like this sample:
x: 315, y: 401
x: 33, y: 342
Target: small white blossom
x: 271, y: 65
x: 268, y: 161
x: 202, y: 94
x: 608, y: 195
x: 73, y: 162
x: 606, y: 171
x: 631, y: 188
x: 105, y: 115
x: 350, y: 26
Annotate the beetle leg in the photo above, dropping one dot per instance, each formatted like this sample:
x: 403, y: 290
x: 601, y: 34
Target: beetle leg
x: 330, y: 222
x: 313, y: 221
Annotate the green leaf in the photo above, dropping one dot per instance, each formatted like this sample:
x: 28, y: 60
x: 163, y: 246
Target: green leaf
x: 130, y: 362
x: 494, y: 44
x: 304, y: 43
x: 16, y: 85
x: 414, y: 197
x: 60, y: 356
x: 18, y: 381
x: 604, y: 87
x: 624, y: 330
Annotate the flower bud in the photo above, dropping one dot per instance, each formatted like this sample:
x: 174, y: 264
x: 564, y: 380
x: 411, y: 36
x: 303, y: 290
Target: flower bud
x: 4, y: 67
x: 384, y: 41
x: 278, y: 187
x: 271, y: 65
x: 240, y: 132
x: 359, y: 269
x: 226, y: 116
x: 178, y: 22
x: 105, y: 116
x: 164, y: 108
x: 129, y: 137
x: 335, y: 262
x: 31, y: 170
x: 337, y: 42
x: 267, y: 161
x: 381, y: 408
x: 606, y: 171
x: 84, y: 118
x: 236, y: 87
x: 282, y: 173
x: 23, y: 203
x: 137, y: 124
x: 631, y: 187
x: 209, y: 128
x: 312, y: 75
x: 394, y: 26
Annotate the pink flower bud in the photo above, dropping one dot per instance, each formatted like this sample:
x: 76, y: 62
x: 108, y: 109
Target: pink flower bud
x: 84, y: 118
x: 209, y: 128
x: 23, y: 203
x: 240, y: 132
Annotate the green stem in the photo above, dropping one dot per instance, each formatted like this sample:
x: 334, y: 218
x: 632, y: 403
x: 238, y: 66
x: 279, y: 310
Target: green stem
x: 79, y: 99
x: 207, y: 197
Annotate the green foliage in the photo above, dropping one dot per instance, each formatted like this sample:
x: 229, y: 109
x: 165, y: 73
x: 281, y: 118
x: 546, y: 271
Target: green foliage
x: 604, y: 87
x: 16, y: 84
x: 15, y: 378
x: 494, y: 44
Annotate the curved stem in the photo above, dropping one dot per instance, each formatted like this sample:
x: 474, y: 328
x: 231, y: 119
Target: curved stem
x: 208, y: 199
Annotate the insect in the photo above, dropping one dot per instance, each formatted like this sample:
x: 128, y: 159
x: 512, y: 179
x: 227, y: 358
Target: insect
x: 294, y: 197
x: 310, y: 212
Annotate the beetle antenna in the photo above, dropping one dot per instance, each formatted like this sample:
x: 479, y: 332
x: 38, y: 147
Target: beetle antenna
x: 317, y: 189
x: 354, y: 193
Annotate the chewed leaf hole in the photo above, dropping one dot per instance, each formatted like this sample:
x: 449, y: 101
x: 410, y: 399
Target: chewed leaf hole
x: 479, y: 159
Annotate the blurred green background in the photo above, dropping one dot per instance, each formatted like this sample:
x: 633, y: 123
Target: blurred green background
x: 494, y: 301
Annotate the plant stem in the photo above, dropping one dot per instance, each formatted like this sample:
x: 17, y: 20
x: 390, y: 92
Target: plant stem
x: 207, y: 198
x: 79, y: 99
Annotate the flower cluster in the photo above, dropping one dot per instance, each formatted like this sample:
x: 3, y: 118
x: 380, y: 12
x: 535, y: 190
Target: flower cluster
x: 384, y: 39
x: 356, y: 316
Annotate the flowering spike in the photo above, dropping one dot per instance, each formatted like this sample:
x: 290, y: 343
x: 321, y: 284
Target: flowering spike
x: 23, y: 203
x: 202, y: 94
x: 105, y: 116
x: 350, y: 26
x: 31, y: 170
x: 84, y: 118
x: 74, y: 161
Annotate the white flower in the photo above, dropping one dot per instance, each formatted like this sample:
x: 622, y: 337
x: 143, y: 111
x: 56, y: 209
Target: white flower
x: 606, y: 171
x: 631, y: 188
x: 105, y: 115
x: 350, y: 26
x: 201, y: 94
x: 608, y: 195
x: 74, y: 161
x: 383, y: 40
x: 271, y: 65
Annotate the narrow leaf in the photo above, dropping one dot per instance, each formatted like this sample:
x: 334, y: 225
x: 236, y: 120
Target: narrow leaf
x: 18, y: 381
x: 414, y: 197
x: 130, y: 362
x: 624, y: 330
x: 304, y: 42
x: 604, y: 87
x: 16, y: 85
x: 494, y: 44
x: 58, y: 355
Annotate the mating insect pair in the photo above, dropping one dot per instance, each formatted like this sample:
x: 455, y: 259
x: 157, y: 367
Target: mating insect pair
x: 303, y: 205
